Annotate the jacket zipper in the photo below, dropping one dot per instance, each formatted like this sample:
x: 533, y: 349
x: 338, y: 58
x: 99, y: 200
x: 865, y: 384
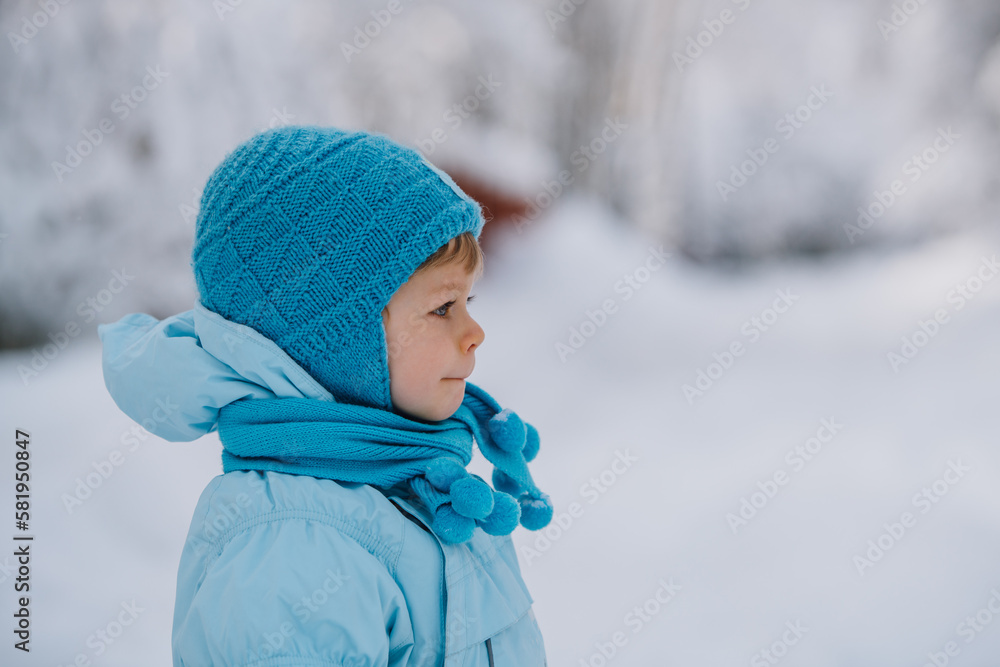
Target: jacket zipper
x: 489, y: 641
x: 410, y: 516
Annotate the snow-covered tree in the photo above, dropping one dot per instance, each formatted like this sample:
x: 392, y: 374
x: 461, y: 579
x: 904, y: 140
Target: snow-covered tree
x: 114, y: 114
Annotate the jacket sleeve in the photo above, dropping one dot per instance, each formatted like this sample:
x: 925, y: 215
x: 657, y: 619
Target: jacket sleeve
x: 294, y: 591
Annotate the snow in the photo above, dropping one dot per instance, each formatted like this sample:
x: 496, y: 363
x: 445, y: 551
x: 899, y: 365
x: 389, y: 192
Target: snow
x: 672, y: 469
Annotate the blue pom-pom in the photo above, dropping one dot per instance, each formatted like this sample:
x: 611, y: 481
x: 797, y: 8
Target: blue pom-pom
x: 472, y: 497
x: 443, y: 472
x: 507, y: 431
x: 504, y: 482
x: 536, y: 513
x: 531, y: 443
x: 505, y: 515
x: 451, y: 526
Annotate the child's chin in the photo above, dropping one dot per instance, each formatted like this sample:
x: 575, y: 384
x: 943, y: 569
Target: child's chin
x: 436, y: 413
x: 450, y: 405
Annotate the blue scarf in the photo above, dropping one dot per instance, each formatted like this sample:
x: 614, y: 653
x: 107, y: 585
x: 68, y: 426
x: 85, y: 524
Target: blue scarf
x: 183, y: 376
x: 352, y: 443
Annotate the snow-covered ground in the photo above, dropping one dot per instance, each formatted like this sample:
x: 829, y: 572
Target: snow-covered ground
x: 653, y: 562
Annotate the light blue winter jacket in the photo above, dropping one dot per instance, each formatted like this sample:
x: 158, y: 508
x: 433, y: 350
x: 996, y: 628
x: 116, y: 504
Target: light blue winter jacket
x: 282, y: 570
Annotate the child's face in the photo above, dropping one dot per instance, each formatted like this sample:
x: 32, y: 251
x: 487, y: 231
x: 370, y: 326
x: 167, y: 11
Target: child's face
x: 432, y: 341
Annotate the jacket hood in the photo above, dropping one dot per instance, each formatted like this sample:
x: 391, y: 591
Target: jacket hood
x: 198, y: 362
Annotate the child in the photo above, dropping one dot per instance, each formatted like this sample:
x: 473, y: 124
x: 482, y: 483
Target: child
x: 330, y: 346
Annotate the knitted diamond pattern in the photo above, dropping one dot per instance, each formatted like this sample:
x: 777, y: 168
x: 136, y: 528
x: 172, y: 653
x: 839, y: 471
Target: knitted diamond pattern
x: 305, y: 233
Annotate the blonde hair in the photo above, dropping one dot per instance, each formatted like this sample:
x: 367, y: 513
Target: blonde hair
x: 463, y: 248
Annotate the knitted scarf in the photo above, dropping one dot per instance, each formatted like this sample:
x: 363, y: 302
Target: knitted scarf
x: 353, y: 443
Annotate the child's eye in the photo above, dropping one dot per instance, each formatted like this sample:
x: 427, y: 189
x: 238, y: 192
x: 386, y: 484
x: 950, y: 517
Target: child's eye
x: 442, y: 311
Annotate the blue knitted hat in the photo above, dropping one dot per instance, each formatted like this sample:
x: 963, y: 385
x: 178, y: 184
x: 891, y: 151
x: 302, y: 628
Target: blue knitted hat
x: 305, y: 233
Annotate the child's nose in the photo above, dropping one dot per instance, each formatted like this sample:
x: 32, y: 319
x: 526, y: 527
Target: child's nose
x: 473, y: 336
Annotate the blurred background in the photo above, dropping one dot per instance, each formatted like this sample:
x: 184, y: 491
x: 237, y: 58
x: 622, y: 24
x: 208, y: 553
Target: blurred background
x: 745, y: 245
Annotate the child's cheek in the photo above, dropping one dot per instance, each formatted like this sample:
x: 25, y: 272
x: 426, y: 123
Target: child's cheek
x: 418, y: 324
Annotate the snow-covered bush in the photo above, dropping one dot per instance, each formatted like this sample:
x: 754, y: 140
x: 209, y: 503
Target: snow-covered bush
x: 114, y: 113
x: 762, y: 126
